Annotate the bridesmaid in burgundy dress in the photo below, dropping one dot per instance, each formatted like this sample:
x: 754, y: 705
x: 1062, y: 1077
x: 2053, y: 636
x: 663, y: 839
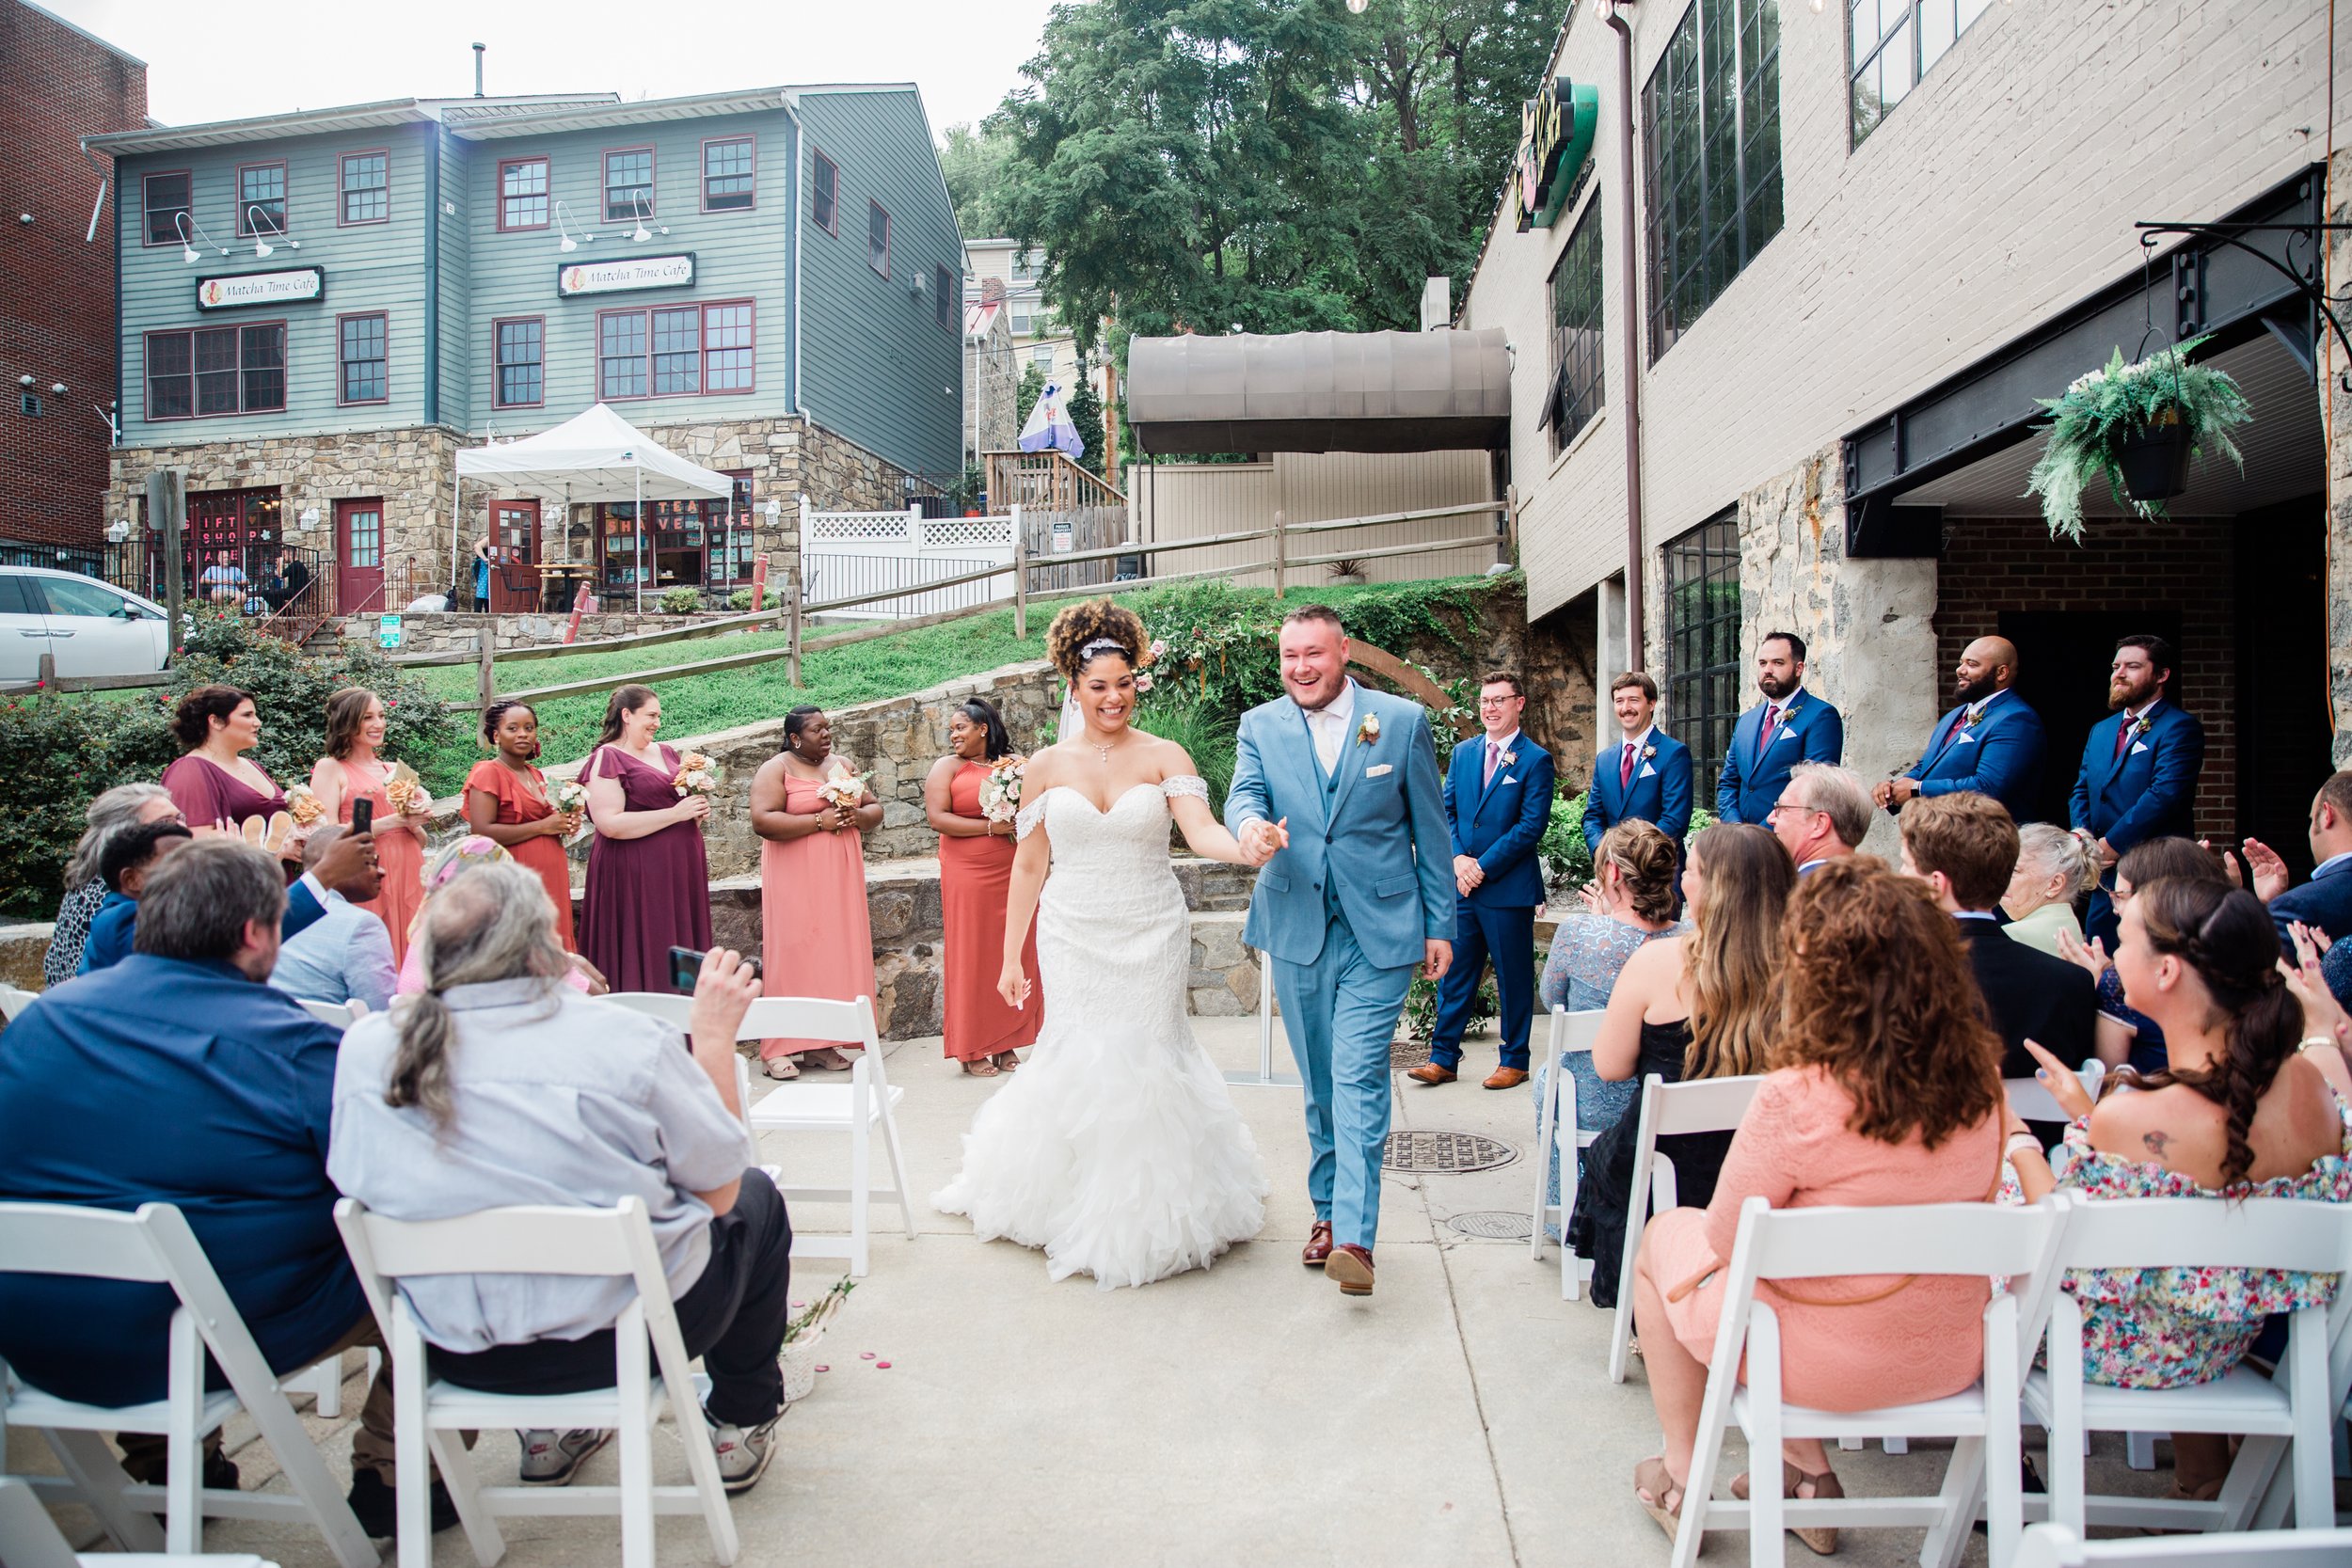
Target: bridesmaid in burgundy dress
x: 215, y: 787
x: 649, y: 880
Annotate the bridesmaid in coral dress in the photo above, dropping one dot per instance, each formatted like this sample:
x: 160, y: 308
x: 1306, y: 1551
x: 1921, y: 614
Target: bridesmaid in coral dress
x: 816, y: 939
x: 507, y: 802
x: 974, y: 873
x: 352, y: 770
x: 649, y: 875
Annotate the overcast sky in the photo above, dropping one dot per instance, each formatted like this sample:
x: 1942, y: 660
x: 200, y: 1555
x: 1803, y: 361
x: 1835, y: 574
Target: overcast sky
x: 229, y: 59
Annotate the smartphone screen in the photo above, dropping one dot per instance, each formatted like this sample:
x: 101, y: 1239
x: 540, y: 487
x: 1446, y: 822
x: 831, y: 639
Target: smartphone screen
x: 362, y: 815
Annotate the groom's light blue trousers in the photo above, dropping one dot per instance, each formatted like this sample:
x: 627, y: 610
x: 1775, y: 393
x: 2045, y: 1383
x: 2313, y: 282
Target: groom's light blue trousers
x: 1340, y: 1013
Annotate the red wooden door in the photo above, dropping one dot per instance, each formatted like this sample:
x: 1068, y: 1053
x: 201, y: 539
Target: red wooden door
x: 360, y: 556
x: 514, y: 548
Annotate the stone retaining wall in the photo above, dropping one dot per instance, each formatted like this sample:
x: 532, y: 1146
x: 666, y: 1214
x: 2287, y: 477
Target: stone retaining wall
x: 447, y: 633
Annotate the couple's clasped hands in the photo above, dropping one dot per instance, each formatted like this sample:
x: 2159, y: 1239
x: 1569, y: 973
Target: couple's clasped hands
x: 1260, y: 840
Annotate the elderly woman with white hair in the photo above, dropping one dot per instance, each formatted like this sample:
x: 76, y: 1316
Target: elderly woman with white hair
x: 2053, y: 869
x: 131, y: 805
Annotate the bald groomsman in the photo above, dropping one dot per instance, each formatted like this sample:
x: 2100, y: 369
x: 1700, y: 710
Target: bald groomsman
x: 1990, y: 744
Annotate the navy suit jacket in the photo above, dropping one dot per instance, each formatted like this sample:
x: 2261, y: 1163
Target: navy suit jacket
x: 2325, y: 901
x: 1501, y: 823
x: 2151, y: 790
x: 1660, y: 793
x: 1810, y: 731
x: 2000, y: 755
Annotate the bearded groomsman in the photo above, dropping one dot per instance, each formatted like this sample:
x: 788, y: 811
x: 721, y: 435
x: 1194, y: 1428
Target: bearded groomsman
x: 1990, y: 744
x: 2138, y: 777
x: 1646, y: 775
x: 1789, y: 726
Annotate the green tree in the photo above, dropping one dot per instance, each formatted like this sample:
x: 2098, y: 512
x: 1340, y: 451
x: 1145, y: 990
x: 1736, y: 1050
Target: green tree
x: 975, y: 160
x: 1025, y: 395
x: 1086, y: 415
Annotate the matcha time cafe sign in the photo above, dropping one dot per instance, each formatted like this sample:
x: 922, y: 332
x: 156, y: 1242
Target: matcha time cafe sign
x: 1556, y: 128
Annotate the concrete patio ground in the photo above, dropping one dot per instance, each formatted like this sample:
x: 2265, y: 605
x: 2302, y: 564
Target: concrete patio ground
x: 1244, y: 1415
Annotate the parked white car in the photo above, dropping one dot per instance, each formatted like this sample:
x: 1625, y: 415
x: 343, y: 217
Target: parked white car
x: 93, y: 627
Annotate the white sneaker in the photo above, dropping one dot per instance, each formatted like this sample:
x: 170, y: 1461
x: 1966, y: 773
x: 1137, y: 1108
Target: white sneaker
x: 743, y: 1453
x: 551, y: 1458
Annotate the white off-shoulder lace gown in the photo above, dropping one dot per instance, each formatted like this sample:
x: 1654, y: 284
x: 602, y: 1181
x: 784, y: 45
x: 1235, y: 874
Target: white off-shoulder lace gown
x: 1115, y: 1147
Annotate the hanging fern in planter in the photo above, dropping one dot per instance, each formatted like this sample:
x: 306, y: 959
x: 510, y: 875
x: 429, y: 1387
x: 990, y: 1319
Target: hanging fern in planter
x: 2137, y: 426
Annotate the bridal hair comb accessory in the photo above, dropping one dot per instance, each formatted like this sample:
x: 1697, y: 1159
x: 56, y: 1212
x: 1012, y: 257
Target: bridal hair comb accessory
x: 1101, y: 645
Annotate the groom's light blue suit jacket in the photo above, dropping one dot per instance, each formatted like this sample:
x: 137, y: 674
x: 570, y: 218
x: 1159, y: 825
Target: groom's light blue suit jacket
x: 1378, y: 836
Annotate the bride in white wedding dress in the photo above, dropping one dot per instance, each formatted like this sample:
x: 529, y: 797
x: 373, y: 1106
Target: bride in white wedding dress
x: 1115, y: 1147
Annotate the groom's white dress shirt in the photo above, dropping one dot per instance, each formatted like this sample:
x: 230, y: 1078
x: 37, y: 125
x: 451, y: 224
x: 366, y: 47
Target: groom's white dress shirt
x: 1329, y: 725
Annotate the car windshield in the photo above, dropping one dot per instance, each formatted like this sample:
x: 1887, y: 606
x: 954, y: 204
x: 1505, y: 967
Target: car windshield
x: 75, y: 597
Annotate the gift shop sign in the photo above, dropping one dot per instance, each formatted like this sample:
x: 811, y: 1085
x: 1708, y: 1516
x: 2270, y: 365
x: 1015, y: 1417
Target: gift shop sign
x: 294, y: 286
x: 573, y: 278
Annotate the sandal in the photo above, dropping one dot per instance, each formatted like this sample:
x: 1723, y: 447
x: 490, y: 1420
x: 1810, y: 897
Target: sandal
x: 1005, y: 1061
x: 1653, y: 1487
x: 782, y: 1068
x: 979, y: 1068
x: 826, y: 1060
x: 1792, y: 1485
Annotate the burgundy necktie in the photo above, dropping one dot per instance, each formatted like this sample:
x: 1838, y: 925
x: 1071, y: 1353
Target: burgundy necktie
x: 1959, y: 723
x: 1764, y: 735
x: 1625, y: 769
x: 1494, y: 756
x: 2123, y: 728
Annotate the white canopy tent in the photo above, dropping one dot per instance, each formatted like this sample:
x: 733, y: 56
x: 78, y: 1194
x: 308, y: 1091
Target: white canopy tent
x: 594, y: 456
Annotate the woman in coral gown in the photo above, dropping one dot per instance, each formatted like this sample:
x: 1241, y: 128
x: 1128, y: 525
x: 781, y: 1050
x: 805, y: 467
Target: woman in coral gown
x: 974, y: 873
x: 353, y: 770
x: 815, y: 937
x: 648, y: 877
x: 507, y: 802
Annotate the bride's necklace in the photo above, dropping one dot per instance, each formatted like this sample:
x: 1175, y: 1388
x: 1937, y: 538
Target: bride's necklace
x: 1104, y: 751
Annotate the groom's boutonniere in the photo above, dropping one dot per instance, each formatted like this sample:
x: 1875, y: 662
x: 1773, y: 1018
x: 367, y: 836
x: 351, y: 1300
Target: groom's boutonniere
x: 1648, y: 753
x: 1368, y: 730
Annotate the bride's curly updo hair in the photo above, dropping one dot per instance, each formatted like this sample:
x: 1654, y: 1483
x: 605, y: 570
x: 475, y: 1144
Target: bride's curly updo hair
x: 1085, y: 632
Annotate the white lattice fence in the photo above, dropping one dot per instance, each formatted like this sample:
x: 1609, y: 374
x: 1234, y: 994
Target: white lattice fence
x: 847, y: 554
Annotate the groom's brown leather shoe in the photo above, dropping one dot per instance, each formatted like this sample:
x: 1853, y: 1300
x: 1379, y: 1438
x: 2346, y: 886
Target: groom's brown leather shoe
x: 1507, y: 1077
x: 1430, y: 1072
x: 1318, y: 1247
x: 1351, y: 1265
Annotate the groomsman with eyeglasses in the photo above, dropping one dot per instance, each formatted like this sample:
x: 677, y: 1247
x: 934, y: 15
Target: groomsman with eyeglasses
x: 1789, y: 726
x: 1645, y: 776
x: 2138, y: 777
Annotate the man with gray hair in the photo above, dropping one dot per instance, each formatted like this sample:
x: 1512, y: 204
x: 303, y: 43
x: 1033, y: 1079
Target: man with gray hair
x: 346, y: 954
x: 1823, y: 813
x: 497, y: 1085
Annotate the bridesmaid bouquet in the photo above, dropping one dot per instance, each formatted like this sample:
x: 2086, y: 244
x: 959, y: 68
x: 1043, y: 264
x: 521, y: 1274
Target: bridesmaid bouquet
x: 843, y: 788
x: 303, y: 805
x: 406, y: 792
x: 696, y: 775
x: 572, y: 795
x: 1000, y: 792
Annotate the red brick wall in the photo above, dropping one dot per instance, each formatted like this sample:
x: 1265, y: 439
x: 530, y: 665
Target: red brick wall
x: 58, y: 310
x: 2183, y: 565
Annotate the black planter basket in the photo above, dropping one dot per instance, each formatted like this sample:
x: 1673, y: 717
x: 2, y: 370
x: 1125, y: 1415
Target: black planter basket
x: 2155, y: 462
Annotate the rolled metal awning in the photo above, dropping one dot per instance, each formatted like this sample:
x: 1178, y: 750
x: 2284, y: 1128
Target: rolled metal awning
x: 1320, y: 391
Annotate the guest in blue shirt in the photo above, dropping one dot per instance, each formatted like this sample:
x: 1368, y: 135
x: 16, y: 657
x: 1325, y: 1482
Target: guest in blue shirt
x: 346, y: 954
x: 123, y: 864
x: 2324, y: 902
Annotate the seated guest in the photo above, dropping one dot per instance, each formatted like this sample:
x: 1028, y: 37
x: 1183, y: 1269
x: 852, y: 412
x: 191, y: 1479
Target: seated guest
x: 498, y: 1085
x: 2053, y: 869
x: 1824, y: 814
x: 123, y: 806
x: 1965, y: 847
x: 1631, y: 901
x: 2127, y: 1035
x: 1703, y: 1004
x: 2324, y: 902
x: 123, y: 865
x: 346, y: 954
x: 2239, y: 1112
x: 1885, y: 1088
x: 186, y: 1022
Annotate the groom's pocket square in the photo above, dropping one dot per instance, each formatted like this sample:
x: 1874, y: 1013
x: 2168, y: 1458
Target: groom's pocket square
x: 1647, y: 771
x: 1375, y: 773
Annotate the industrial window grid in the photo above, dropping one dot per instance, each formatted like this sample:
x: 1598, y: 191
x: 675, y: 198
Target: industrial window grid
x: 1896, y: 43
x: 1710, y: 122
x: 1703, y: 666
x: 164, y: 196
x: 1577, y: 362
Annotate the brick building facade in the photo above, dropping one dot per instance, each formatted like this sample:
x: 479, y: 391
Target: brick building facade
x: 58, y: 84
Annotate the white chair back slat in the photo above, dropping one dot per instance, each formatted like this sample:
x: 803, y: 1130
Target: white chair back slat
x: 341, y: 1015
x: 2168, y: 1232
x: 14, y: 1000
x: 1695, y: 1105
x: 665, y: 1006
x: 94, y: 1244
x: 544, y: 1239
x: 2056, y: 1546
x: 1702, y: 1105
x: 802, y: 1107
x: 1923, y: 1238
x: 1558, y: 1136
x: 811, y: 1018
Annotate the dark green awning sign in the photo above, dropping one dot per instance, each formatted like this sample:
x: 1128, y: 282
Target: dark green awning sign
x: 1556, y: 136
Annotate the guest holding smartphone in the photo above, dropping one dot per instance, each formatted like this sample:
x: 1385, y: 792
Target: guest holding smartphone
x: 353, y: 770
x: 648, y: 877
x: 815, y: 934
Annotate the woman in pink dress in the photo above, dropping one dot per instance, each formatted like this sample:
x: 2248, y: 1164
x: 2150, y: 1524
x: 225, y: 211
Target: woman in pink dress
x: 815, y: 937
x: 353, y: 770
x: 648, y: 876
x: 1886, y: 1088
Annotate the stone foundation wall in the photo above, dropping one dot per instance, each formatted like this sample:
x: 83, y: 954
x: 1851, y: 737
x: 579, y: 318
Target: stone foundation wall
x: 456, y: 633
x: 1566, y: 701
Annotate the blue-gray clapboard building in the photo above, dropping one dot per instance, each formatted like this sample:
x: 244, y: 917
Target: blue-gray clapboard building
x: 320, y: 308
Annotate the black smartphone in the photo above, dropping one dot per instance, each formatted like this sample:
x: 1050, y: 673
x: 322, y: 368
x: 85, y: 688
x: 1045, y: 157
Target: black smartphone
x: 362, y: 815
x: 686, y: 967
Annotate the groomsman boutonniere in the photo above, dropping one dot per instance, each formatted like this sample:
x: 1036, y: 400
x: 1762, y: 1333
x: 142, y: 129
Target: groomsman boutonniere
x: 1509, y: 757
x: 1968, y: 720
x: 2141, y: 725
x: 1369, y: 730
x: 1649, y: 754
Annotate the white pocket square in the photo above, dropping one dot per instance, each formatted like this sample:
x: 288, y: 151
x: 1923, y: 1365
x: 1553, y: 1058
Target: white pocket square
x: 1647, y: 772
x: 1375, y: 773
x: 2137, y: 747
x: 1785, y: 734
x: 1510, y: 778
x: 1965, y: 740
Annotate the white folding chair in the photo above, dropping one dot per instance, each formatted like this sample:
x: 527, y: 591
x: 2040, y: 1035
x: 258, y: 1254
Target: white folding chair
x: 2056, y: 1546
x: 1703, y: 1105
x: 858, y: 1107
x: 340, y: 1013
x: 537, y: 1240
x: 154, y: 1246
x: 29, y: 1538
x: 14, y: 1000
x: 1557, y: 1130
x: 1941, y: 1239
x: 666, y: 1006
x: 2294, y: 1409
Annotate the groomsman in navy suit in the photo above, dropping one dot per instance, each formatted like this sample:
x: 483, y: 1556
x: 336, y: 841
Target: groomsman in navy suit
x: 1498, y: 800
x: 1990, y: 744
x: 1789, y: 726
x: 2138, y: 778
x: 1647, y: 775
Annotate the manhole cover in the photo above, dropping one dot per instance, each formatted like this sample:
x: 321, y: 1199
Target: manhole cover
x: 1407, y: 1053
x: 1445, y: 1152
x: 1499, y: 1225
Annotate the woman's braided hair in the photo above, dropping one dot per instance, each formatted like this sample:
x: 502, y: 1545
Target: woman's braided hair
x: 2228, y: 938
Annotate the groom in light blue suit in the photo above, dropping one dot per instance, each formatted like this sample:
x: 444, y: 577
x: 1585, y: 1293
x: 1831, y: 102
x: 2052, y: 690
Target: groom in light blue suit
x: 1339, y: 785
